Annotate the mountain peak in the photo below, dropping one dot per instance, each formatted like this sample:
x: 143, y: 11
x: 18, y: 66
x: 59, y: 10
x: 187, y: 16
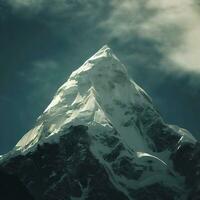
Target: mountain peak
x: 94, y: 94
x: 105, y: 49
x: 102, y: 62
x: 101, y: 125
x: 99, y: 93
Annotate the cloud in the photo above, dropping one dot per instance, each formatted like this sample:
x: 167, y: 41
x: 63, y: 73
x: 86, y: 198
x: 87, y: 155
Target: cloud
x: 172, y: 25
x: 39, y: 76
x: 32, y: 5
x: 57, y: 9
x: 147, y: 35
x: 182, y: 14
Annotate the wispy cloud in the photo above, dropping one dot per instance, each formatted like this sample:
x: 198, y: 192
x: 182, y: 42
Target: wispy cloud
x: 56, y: 8
x: 156, y: 33
x: 173, y: 25
x: 181, y: 14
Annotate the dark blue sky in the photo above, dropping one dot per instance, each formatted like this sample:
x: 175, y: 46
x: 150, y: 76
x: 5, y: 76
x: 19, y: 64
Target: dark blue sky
x: 43, y: 41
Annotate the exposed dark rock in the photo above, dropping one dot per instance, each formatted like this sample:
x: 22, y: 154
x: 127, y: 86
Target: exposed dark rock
x: 12, y: 188
x: 63, y: 170
x: 114, y: 153
x: 125, y: 166
x: 187, y: 162
x: 155, y: 192
x: 162, y: 136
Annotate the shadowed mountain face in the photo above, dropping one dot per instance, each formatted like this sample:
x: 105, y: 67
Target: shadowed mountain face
x: 101, y: 138
x: 12, y: 188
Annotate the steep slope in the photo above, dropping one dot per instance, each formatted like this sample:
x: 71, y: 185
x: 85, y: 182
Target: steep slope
x: 101, y: 138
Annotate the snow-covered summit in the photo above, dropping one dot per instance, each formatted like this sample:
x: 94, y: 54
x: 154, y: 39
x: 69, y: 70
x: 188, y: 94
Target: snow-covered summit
x: 95, y: 93
x: 100, y: 62
x: 102, y: 73
x: 98, y: 94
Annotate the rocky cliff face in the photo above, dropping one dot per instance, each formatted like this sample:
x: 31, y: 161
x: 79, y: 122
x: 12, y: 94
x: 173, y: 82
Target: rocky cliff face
x: 101, y: 138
